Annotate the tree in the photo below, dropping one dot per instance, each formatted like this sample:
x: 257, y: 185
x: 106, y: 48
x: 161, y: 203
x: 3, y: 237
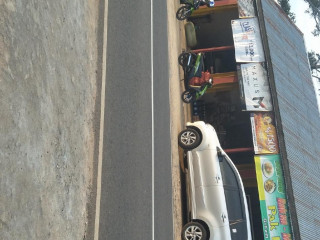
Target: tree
x: 314, y: 11
x: 286, y: 7
x: 314, y: 59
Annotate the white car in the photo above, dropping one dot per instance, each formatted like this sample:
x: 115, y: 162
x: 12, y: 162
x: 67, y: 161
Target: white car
x: 217, y: 205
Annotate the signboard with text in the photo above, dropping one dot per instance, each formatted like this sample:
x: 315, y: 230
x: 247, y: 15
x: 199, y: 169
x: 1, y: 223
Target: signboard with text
x: 254, y: 85
x: 273, y: 203
x: 247, y: 40
x: 264, y: 133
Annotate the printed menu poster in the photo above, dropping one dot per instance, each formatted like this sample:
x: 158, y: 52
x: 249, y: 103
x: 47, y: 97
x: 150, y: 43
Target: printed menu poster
x: 264, y: 133
x: 273, y: 202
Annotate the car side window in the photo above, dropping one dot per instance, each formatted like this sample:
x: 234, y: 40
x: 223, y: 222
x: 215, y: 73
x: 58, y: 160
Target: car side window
x: 234, y: 201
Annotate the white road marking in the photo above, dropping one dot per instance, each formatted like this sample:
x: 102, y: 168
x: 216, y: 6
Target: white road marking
x: 103, y: 90
x: 152, y: 118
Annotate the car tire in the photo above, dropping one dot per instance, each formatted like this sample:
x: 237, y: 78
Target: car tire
x: 189, y: 139
x: 194, y: 231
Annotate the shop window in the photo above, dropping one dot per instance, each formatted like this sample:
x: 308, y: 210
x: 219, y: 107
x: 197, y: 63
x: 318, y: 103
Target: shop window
x: 220, y: 62
x: 223, y: 110
x: 214, y: 30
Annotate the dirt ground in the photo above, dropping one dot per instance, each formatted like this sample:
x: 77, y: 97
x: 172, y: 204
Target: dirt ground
x: 180, y: 112
x: 49, y: 73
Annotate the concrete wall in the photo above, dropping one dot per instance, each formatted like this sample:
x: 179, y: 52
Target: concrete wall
x: 48, y: 85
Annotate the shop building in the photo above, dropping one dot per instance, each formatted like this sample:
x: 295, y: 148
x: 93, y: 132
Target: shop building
x: 264, y: 109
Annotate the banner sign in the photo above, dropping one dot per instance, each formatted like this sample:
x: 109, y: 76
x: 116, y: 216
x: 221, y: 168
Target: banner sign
x: 247, y: 40
x: 246, y: 8
x: 264, y: 133
x: 273, y: 202
x: 254, y: 86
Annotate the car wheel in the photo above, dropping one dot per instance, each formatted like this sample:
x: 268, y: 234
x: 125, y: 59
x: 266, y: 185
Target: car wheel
x: 189, y: 139
x: 194, y: 231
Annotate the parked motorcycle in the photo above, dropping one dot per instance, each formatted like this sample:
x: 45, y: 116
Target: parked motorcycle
x: 191, y: 5
x: 196, y: 81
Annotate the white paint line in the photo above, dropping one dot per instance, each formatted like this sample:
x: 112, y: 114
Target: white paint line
x: 103, y: 91
x: 152, y: 117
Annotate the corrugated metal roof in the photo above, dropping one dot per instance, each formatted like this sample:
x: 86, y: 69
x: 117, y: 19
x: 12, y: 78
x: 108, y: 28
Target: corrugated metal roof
x: 297, y: 106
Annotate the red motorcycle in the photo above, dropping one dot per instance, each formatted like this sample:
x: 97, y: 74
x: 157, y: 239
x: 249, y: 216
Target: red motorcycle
x: 196, y: 81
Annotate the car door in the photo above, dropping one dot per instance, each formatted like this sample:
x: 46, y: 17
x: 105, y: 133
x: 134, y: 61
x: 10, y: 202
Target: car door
x: 206, y: 168
x: 207, y: 194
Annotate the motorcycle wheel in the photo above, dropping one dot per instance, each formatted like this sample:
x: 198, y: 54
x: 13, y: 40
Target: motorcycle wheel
x: 183, y: 58
x: 183, y: 12
x: 188, y: 96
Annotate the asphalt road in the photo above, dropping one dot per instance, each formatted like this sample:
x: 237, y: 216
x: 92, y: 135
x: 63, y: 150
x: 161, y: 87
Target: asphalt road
x: 136, y: 190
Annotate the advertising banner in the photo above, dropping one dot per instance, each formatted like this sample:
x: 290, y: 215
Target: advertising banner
x: 247, y: 40
x: 246, y: 8
x: 273, y: 203
x: 254, y: 86
x: 264, y: 133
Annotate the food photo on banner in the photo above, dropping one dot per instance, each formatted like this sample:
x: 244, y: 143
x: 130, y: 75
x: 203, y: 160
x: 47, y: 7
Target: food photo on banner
x: 247, y: 40
x: 264, y: 133
x: 273, y: 202
x: 254, y: 87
